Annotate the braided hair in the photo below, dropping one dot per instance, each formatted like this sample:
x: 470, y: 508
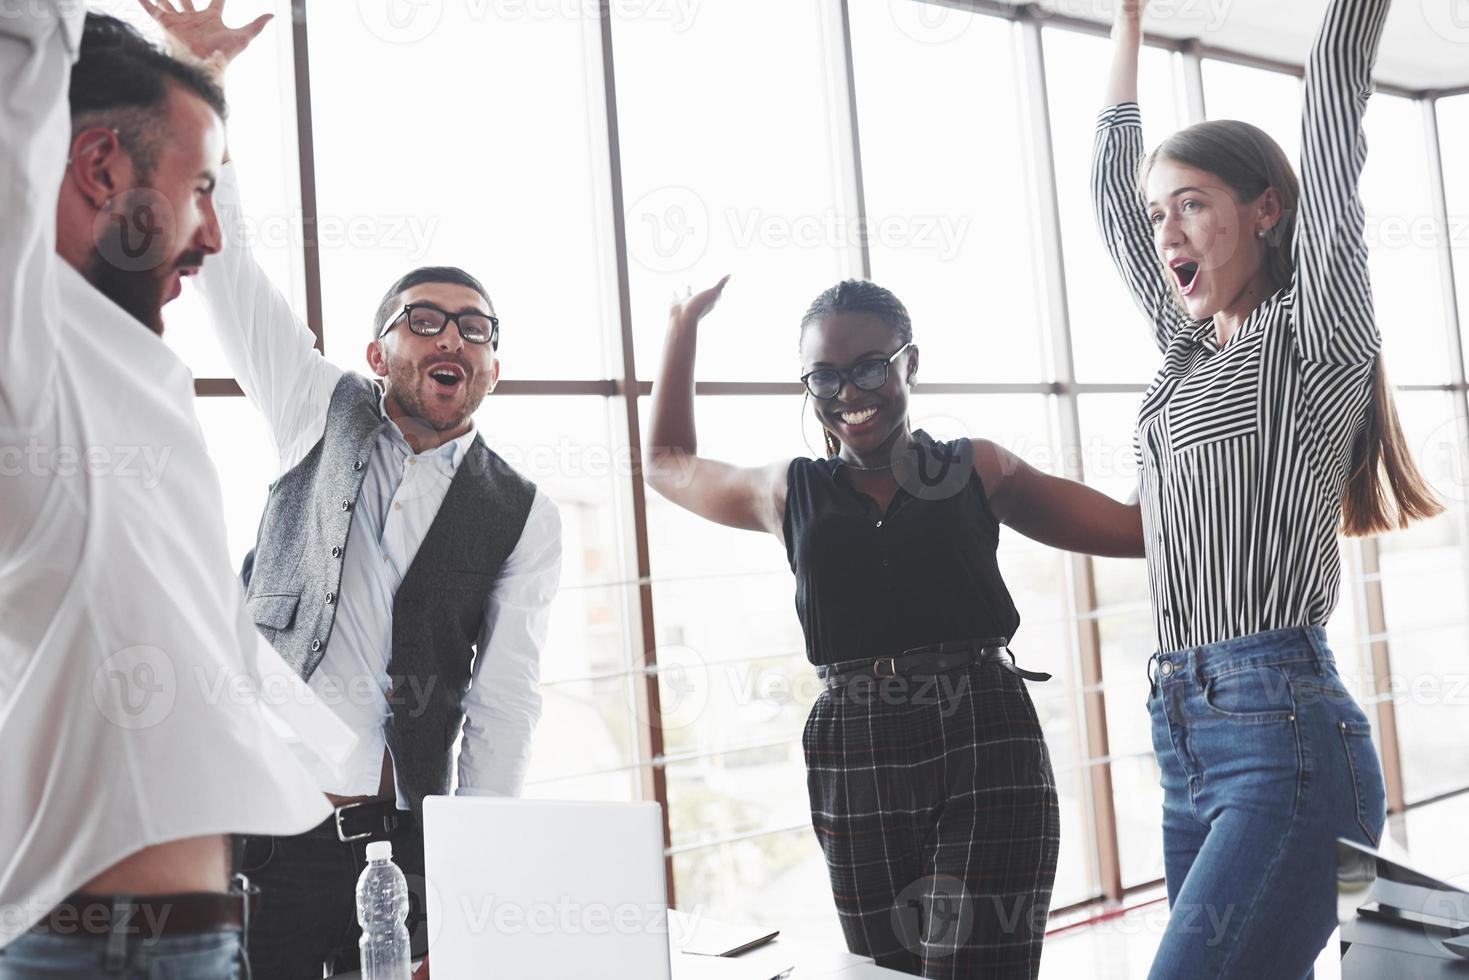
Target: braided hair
x: 859, y: 296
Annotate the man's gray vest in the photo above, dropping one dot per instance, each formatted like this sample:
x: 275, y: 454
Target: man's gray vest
x: 292, y: 578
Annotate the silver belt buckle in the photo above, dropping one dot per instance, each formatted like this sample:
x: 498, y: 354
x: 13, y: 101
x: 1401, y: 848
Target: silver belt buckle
x: 342, y: 835
x: 892, y: 668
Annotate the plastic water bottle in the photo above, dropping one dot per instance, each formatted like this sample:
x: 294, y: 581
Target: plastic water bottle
x: 382, y: 905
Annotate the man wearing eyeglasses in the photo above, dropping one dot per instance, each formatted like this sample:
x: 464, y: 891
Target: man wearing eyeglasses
x: 401, y: 567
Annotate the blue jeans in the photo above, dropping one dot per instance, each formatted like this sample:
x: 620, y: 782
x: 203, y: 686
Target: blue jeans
x: 213, y: 955
x: 1266, y: 761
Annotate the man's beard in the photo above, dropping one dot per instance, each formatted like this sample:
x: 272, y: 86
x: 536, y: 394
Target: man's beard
x: 140, y: 294
x: 406, y: 388
x: 129, y: 263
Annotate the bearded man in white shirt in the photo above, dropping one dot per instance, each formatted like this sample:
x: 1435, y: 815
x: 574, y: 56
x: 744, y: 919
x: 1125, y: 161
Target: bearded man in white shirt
x: 120, y: 623
x: 402, y: 568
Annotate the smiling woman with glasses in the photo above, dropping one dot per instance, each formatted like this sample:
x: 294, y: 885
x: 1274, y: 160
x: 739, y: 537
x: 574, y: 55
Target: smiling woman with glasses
x: 931, y: 787
x: 869, y: 375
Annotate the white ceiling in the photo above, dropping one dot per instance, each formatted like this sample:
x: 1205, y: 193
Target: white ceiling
x: 1424, y: 46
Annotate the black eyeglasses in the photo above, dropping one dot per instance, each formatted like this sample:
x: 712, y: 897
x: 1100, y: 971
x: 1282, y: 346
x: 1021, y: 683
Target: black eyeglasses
x: 430, y: 321
x: 869, y: 375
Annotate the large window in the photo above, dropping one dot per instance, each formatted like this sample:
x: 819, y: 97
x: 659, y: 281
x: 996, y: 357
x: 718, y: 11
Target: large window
x: 724, y: 176
x: 1111, y: 340
x: 466, y: 135
x: 795, y: 145
x: 951, y: 229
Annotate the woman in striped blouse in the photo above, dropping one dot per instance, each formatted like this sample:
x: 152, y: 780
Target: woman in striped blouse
x: 1269, y: 426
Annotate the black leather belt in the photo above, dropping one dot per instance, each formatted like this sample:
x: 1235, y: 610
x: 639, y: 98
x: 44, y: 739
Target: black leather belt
x: 937, y: 658
x: 148, y: 916
x: 371, y: 820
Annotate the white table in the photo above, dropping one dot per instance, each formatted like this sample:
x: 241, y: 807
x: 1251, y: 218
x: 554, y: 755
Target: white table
x: 810, y: 964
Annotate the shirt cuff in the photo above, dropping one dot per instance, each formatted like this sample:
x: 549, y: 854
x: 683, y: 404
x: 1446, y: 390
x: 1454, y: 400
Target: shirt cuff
x: 1121, y: 114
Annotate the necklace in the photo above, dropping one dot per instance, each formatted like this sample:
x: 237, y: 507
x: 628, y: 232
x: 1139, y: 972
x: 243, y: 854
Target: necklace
x: 876, y: 469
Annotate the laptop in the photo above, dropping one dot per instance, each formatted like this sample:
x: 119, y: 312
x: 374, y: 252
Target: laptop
x: 532, y: 888
x: 549, y: 890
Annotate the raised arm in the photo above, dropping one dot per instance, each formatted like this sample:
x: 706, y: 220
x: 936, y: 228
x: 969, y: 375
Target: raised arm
x: 1061, y: 513
x: 270, y: 351
x: 752, y: 498
x: 1334, y: 317
x: 1116, y: 156
x: 38, y: 43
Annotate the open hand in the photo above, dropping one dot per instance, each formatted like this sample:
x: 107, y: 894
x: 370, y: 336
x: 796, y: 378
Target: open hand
x: 694, y: 307
x: 201, y: 33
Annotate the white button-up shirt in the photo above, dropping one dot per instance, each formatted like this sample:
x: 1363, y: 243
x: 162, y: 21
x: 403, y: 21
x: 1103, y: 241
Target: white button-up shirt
x: 127, y: 717
x: 272, y: 355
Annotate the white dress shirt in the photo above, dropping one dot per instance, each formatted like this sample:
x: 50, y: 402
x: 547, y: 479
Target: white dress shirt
x: 126, y: 713
x: 272, y: 356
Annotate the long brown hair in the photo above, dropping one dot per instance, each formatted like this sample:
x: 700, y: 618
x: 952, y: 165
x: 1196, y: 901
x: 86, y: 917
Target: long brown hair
x: 1385, y: 490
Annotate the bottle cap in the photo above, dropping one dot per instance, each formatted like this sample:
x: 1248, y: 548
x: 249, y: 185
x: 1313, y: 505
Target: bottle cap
x: 380, y: 850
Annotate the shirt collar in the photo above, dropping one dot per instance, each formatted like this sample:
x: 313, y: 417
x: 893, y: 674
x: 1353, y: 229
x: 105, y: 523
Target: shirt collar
x: 1203, y: 333
x: 453, y: 451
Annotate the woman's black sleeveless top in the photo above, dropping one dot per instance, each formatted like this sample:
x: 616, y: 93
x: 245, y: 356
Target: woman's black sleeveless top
x: 871, y: 584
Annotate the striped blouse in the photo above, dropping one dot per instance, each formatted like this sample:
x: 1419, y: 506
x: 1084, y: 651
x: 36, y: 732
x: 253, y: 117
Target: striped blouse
x: 1244, y: 451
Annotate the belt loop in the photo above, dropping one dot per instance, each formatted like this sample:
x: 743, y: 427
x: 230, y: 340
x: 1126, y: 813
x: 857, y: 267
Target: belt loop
x: 1152, y: 680
x: 242, y: 882
x: 116, y: 958
x: 1320, y: 653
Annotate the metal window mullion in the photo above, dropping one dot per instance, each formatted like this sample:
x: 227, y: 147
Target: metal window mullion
x: 1453, y: 321
x: 1439, y: 194
x: 306, y: 157
x: 1090, y: 707
x: 1193, y: 84
x: 1372, y: 621
x: 845, y: 135
x: 648, y: 708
